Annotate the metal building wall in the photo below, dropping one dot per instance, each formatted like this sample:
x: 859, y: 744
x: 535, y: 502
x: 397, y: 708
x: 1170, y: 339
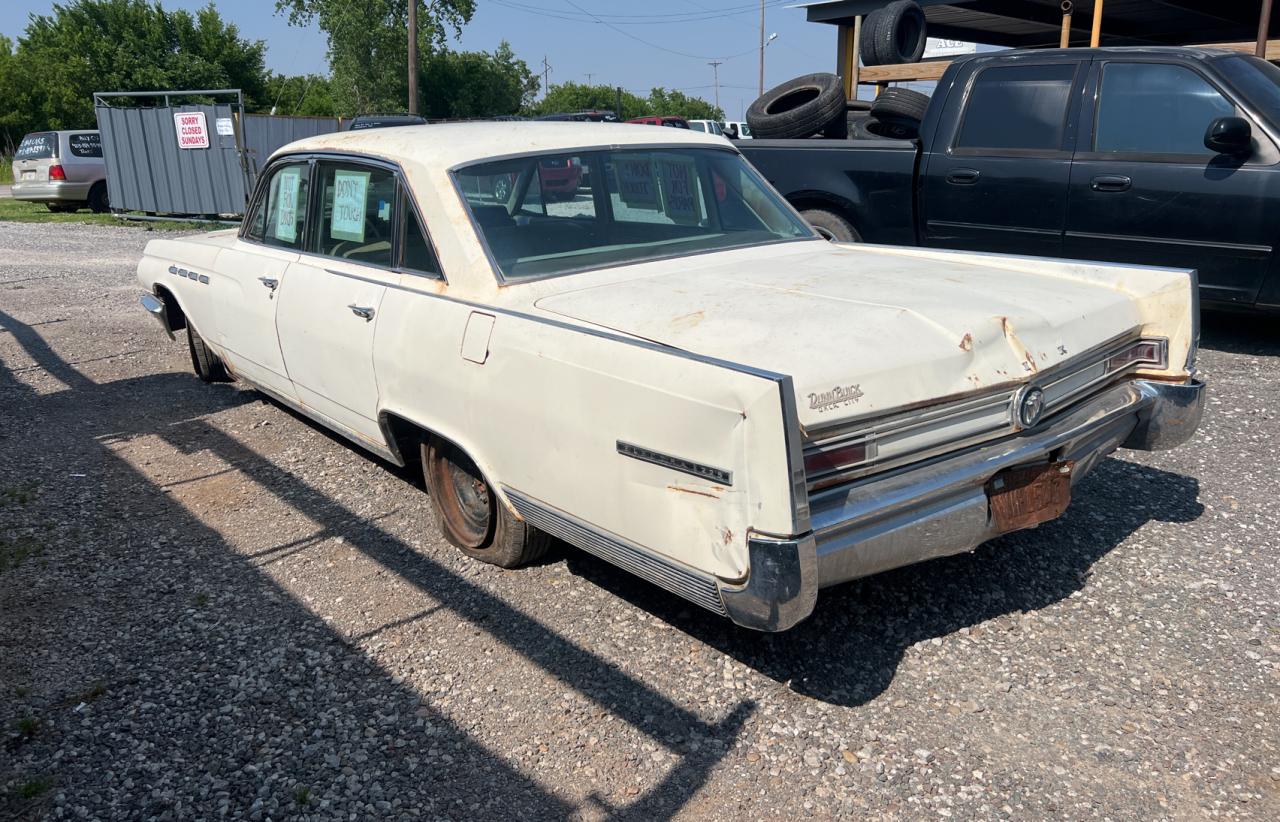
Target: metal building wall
x: 264, y: 133
x: 146, y: 171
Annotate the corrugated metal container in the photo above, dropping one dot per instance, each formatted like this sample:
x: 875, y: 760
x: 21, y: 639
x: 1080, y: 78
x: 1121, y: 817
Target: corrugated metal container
x: 147, y: 169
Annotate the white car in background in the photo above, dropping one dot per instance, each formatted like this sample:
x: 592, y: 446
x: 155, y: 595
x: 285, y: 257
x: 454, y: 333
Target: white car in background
x: 673, y: 371
x: 62, y: 169
x: 706, y: 126
x: 737, y: 129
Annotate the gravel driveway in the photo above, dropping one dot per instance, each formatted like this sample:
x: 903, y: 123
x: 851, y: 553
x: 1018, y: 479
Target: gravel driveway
x: 210, y: 607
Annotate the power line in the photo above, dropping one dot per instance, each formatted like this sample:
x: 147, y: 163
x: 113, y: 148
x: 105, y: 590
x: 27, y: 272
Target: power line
x: 582, y: 15
x: 646, y: 42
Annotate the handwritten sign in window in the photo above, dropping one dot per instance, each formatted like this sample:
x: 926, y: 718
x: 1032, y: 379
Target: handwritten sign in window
x: 350, y: 193
x: 680, y: 196
x: 636, y: 184
x: 286, y: 205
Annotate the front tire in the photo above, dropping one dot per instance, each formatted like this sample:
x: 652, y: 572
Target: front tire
x: 98, y: 202
x: 472, y: 518
x: 831, y: 225
x: 207, y: 365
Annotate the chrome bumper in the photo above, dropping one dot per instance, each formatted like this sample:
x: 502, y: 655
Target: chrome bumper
x: 940, y: 508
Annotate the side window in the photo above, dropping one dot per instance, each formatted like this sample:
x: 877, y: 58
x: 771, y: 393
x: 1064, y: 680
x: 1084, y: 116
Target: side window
x: 85, y: 145
x: 1156, y: 108
x: 285, y: 209
x: 1017, y: 107
x: 418, y: 255
x: 356, y: 213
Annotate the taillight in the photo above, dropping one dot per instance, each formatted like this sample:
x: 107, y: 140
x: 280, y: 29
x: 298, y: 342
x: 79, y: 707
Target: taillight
x: 56, y: 173
x: 1144, y: 352
x: 839, y: 457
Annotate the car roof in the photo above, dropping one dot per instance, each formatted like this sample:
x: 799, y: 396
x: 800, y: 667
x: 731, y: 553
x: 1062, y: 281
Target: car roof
x: 442, y: 146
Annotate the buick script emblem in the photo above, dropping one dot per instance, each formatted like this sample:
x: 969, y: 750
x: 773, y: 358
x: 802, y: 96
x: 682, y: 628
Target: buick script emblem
x: 837, y: 397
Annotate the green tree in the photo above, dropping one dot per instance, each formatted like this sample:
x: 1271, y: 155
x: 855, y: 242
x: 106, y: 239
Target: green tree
x: 368, y: 48
x: 678, y: 103
x: 567, y: 97
x: 304, y: 95
x: 476, y: 84
x: 126, y: 45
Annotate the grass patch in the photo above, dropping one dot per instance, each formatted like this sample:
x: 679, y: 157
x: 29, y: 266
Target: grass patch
x: 14, y: 553
x: 22, y: 692
x: 201, y: 600
x: 20, y: 211
x: 6, y: 171
x: 28, y: 726
x: 302, y: 795
x: 20, y: 494
x: 34, y: 787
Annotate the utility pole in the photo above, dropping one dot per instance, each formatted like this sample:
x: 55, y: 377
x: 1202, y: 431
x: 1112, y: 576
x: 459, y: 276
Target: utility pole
x: 761, y: 93
x: 413, y: 56
x: 546, y: 75
x: 589, y: 76
x: 715, y: 67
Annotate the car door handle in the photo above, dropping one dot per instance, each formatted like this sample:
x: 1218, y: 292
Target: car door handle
x: 1111, y: 182
x: 361, y: 311
x: 269, y: 282
x: 963, y: 176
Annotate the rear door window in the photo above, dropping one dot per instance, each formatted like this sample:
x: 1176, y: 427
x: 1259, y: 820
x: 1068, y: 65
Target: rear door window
x: 285, y: 212
x: 39, y: 146
x: 357, y: 205
x: 85, y: 144
x: 1017, y: 107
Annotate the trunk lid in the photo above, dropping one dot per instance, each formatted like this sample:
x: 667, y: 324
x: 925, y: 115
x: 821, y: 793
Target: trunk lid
x: 860, y: 332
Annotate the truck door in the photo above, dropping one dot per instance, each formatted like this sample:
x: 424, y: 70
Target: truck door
x: 1145, y: 189
x: 996, y: 179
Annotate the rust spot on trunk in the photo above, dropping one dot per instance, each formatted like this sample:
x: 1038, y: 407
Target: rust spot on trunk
x: 684, y: 490
x: 1006, y: 327
x: 726, y: 535
x: 966, y: 342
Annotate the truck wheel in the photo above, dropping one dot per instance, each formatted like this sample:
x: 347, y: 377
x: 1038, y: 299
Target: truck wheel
x: 900, y: 110
x: 831, y: 225
x: 893, y: 34
x: 471, y: 516
x: 891, y: 130
x: 204, y: 362
x: 797, y: 108
x: 98, y: 198
x: 858, y: 126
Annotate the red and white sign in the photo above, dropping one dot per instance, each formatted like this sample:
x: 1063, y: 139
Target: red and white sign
x: 193, y: 131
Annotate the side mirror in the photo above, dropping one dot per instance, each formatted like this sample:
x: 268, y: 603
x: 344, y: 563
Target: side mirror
x: 1229, y: 135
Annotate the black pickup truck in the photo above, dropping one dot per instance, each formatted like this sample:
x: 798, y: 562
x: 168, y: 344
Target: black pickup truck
x: 1160, y: 156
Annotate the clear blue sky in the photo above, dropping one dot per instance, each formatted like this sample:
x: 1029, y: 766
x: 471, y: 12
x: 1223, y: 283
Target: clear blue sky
x: 576, y: 45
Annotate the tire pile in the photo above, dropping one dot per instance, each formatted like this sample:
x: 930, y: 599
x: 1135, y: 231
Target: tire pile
x: 814, y: 105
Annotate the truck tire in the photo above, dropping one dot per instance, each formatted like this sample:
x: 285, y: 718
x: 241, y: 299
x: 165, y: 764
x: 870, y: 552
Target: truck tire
x: 797, y: 108
x: 98, y: 198
x: 900, y: 111
x: 472, y: 518
x: 894, y: 34
x: 831, y: 225
x: 205, y: 363
x: 858, y: 126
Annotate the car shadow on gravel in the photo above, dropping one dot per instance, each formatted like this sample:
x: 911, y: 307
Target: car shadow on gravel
x: 210, y: 683
x: 847, y: 653
x: 1239, y: 333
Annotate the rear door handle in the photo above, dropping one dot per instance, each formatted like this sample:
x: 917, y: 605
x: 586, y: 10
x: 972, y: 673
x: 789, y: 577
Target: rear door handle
x: 361, y: 311
x: 269, y: 282
x: 963, y: 176
x: 1111, y: 182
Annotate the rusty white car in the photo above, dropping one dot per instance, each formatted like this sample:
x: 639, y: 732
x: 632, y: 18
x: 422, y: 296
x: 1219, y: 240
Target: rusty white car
x: 671, y: 370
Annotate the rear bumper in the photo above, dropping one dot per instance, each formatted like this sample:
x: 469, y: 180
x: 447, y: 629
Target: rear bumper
x: 52, y: 192
x: 941, y: 508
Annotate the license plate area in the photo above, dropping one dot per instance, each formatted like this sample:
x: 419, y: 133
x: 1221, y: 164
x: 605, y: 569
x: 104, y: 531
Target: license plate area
x: 1026, y: 496
x: 28, y: 175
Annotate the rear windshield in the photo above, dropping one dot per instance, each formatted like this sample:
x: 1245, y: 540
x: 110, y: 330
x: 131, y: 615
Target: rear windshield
x: 552, y: 214
x: 41, y: 146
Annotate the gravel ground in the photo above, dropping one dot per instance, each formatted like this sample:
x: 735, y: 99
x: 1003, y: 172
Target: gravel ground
x: 211, y: 608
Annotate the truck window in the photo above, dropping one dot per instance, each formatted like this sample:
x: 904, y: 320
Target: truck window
x: 1156, y: 108
x: 1017, y: 107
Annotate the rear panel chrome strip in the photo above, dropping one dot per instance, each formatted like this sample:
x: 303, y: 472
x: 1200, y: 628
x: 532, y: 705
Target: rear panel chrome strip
x: 695, y: 586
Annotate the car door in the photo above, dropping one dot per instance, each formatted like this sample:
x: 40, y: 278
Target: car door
x: 997, y: 180
x: 251, y: 272
x: 331, y: 296
x: 1145, y: 189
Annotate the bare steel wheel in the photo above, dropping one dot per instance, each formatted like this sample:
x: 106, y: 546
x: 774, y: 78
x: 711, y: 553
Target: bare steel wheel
x: 472, y: 518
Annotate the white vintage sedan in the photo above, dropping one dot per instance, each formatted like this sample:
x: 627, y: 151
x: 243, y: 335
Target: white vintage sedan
x: 622, y: 337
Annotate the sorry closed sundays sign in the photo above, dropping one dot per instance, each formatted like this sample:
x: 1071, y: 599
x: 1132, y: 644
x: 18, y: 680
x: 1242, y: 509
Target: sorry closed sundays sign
x: 192, y: 130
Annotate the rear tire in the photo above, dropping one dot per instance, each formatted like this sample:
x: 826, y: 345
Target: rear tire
x: 900, y: 110
x: 797, y: 108
x: 98, y: 202
x: 472, y: 518
x: 831, y: 225
x: 207, y: 365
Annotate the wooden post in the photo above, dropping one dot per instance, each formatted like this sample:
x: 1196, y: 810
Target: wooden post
x: 855, y: 57
x: 1065, y: 40
x: 1096, y: 36
x: 1264, y: 23
x: 413, y: 56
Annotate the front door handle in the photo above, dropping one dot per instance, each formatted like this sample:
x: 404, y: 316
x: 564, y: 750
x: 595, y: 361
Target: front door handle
x: 269, y: 282
x: 963, y: 176
x: 361, y: 311
x: 1111, y: 182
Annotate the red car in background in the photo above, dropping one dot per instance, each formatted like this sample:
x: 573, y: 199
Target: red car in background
x: 560, y: 177
x: 673, y: 122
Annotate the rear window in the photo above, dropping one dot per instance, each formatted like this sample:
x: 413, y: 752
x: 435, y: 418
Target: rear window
x: 42, y: 146
x: 1018, y: 107
x: 85, y: 144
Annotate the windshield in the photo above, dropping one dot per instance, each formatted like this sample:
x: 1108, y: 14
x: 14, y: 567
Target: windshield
x: 551, y: 214
x: 1257, y: 80
x: 41, y: 146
